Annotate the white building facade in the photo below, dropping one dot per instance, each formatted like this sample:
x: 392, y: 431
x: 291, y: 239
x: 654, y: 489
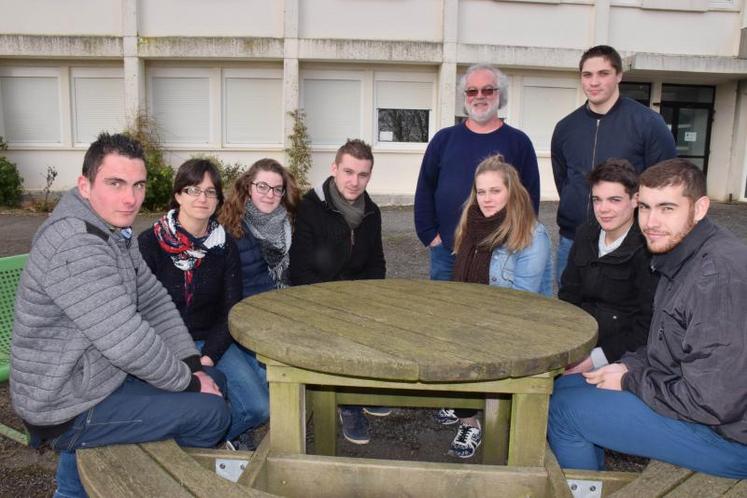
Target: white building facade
x: 220, y: 77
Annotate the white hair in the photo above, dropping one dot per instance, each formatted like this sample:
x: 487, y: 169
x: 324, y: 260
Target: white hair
x: 501, y: 81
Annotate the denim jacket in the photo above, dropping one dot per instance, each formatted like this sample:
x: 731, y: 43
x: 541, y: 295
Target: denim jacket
x: 529, y: 269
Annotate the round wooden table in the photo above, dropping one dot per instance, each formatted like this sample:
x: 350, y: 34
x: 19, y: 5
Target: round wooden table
x: 412, y: 343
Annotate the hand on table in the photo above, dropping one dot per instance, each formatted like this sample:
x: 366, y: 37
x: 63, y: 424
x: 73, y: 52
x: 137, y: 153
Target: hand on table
x: 207, y: 384
x: 607, y: 377
x: 579, y: 367
x: 206, y: 361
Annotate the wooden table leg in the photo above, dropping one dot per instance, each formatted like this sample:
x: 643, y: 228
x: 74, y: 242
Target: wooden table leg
x: 495, y: 431
x: 288, y: 423
x: 325, y: 419
x: 528, y: 429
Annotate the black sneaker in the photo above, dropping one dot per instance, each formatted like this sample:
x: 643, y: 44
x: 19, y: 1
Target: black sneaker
x: 354, y: 425
x: 466, y: 441
x: 446, y: 416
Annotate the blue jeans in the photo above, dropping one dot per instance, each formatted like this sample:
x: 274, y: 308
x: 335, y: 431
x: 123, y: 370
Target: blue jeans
x: 248, y: 394
x: 584, y: 420
x: 561, y: 258
x: 137, y: 412
x: 442, y: 263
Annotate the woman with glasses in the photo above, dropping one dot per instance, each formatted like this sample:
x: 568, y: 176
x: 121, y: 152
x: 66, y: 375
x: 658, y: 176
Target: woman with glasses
x: 498, y: 242
x: 259, y: 215
x: 198, y: 264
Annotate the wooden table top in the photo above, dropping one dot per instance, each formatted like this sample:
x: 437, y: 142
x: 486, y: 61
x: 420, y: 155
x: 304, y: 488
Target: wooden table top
x: 413, y: 330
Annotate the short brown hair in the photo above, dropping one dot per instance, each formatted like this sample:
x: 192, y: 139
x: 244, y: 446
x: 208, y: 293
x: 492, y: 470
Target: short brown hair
x: 615, y: 171
x: 606, y: 52
x: 675, y: 172
x: 357, y: 148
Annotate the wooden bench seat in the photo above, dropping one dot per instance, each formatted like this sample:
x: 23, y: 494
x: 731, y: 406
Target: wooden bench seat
x: 665, y: 480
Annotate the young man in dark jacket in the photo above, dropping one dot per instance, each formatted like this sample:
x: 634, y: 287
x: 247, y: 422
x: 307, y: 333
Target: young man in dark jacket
x: 609, y: 268
x: 681, y: 399
x: 338, y: 237
x: 607, y: 125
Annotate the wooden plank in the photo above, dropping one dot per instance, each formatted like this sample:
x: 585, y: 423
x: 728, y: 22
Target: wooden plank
x: 288, y: 422
x: 556, y: 479
x: 206, y: 456
x: 327, y: 477
x: 528, y: 429
x: 324, y: 405
x: 656, y: 480
x: 612, y: 481
x: 497, y: 415
x: 125, y: 471
x: 738, y: 491
x: 190, y: 474
x: 294, y: 342
x: 420, y: 399
x: 255, y: 476
x: 541, y: 383
x: 702, y: 486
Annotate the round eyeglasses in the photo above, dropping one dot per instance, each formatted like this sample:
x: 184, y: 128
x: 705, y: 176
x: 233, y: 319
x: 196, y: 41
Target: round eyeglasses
x: 264, y: 188
x: 195, y: 191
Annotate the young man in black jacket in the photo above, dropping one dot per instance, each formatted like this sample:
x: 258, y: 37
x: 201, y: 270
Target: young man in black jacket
x: 607, y: 125
x: 681, y: 399
x: 337, y: 236
x: 609, y: 268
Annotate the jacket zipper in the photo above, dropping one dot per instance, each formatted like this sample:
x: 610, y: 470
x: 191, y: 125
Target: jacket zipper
x: 593, y: 163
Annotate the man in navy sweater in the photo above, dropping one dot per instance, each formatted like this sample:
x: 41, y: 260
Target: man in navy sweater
x: 452, y: 156
x: 606, y: 126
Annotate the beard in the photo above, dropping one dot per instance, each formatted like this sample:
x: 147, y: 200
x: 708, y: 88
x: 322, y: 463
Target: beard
x: 666, y: 245
x: 483, y: 117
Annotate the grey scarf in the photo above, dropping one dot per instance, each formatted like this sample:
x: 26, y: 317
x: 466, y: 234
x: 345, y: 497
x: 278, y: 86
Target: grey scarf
x: 353, y: 213
x: 273, y: 231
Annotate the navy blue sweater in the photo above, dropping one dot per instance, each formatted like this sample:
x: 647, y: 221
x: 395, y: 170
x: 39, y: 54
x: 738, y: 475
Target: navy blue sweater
x: 584, y: 139
x: 448, y: 170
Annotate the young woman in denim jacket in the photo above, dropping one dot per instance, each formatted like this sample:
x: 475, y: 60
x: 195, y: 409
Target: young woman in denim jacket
x: 498, y: 242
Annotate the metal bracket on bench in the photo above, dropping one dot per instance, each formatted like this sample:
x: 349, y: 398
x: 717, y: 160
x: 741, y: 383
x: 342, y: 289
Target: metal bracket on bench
x: 230, y: 469
x: 581, y: 488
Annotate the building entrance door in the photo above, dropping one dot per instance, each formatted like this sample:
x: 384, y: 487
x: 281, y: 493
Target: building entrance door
x: 688, y: 111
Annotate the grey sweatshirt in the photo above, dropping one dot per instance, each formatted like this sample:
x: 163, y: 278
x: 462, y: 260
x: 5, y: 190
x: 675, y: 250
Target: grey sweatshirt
x: 88, y: 312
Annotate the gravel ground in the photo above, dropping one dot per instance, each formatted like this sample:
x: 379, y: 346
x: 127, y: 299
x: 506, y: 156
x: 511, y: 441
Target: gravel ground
x: 407, y: 434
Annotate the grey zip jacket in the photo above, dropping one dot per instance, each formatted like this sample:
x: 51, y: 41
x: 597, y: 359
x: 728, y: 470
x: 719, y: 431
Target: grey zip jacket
x: 88, y: 313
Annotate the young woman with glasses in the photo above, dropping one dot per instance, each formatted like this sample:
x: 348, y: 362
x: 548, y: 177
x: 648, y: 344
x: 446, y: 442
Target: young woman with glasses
x: 198, y: 264
x: 498, y: 242
x: 259, y: 214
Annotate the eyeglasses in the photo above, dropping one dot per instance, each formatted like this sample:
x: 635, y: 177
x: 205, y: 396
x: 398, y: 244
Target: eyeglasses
x: 264, y: 188
x: 488, y: 91
x: 195, y: 191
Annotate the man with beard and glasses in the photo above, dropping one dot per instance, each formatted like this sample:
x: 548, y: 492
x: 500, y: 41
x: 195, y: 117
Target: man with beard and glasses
x: 682, y: 398
x: 451, y: 159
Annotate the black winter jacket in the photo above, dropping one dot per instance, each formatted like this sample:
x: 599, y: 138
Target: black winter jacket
x: 324, y: 249
x: 693, y: 367
x: 584, y: 139
x: 616, y: 289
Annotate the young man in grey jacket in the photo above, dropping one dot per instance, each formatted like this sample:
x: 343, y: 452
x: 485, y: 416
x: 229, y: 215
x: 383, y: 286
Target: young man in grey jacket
x: 682, y: 398
x: 99, y: 352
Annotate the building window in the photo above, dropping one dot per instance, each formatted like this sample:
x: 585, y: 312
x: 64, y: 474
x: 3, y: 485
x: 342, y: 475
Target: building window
x: 98, y: 103
x: 181, y: 104
x: 333, y: 109
x: 403, y: 125
x: 252, y: 107
x: 30, y: 106
x: 544, y: 102
x: 403, y: 108
x: 640, y: 92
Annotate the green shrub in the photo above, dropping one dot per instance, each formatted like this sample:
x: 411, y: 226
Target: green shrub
x: 299, y: 150
x: 11, y: 182
x: 160, y: 174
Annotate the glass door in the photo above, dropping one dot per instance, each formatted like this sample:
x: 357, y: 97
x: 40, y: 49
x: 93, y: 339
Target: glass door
x: 688, y: 111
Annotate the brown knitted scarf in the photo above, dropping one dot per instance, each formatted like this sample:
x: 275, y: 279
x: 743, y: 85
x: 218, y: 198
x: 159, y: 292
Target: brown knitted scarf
x: 472, y: 262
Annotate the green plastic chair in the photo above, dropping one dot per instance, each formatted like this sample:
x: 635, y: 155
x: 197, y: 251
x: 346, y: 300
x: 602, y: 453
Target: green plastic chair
x: 10, y: 273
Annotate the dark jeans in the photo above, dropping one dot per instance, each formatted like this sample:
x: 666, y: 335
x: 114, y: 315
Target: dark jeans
x: 137, y: 412
x: 442, y: 263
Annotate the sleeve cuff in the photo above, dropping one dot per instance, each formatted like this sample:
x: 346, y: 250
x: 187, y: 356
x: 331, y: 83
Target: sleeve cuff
x: 598, y: 359
x: 193, y: 362
x: 194, y: 385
